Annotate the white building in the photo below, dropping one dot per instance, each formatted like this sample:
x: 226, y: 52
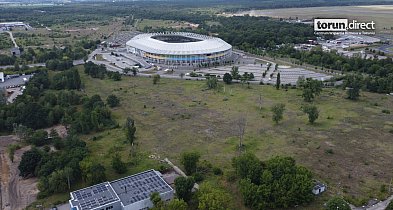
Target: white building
x: 129, y: 193
x: 179, y: 48
x: 319, y: 188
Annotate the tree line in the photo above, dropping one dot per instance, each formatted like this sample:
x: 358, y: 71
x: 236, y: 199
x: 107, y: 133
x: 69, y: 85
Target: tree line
x: 376, y: 75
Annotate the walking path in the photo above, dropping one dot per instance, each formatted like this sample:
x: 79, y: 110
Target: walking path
x: 12, y: 38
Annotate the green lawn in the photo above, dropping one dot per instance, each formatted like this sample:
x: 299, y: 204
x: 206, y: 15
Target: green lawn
x: 348, y: 148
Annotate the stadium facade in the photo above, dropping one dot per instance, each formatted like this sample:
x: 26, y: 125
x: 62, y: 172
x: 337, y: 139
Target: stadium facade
x: 179, y: 48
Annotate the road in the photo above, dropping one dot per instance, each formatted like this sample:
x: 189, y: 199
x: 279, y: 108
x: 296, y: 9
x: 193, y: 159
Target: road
x: 75, y: 62
x: 379, y: 206
x: 16, y: 193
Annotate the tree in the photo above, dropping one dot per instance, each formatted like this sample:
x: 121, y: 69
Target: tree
x: 92, y: 172
x: 134, y: 71
x: 57, y: 182
x: 11, y: 148
x: 241, y: 124
x: 300, y: 81
x: 337, y: 203
x: 112, y: 101
x: 227, y: 78
x: 3, y: 97
x: 118, y: 165
x: 353, y: 83
x: 212, y: 198
x: 278, y: 111
x: 126, y: 70
x: 130, y: 130
x: 176, y: 204
x: 16, y: 66
x: 212, y: 82
x: 39, y: 138
x: 98, y: 174
x: 29, y: 162
x: 183, y: 186
x: 156, y: 200
x: 247, y: 166
x: 312, y: 112
x: 156, y: 79
x: 235, y: 72
x: 311, y: 89
x: 190, y: 161
x: 278, y: 82
x: 260, y: 102
x: 279, y: 183
x: 68, y: 172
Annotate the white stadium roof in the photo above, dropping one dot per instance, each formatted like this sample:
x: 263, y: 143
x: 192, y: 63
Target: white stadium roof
x: 204, y: 45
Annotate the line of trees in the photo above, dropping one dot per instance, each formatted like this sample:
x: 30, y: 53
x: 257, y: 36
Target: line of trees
x: 376, y: 74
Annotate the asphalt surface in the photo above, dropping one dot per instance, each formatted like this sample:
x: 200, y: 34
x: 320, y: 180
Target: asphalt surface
x: 18, y: 81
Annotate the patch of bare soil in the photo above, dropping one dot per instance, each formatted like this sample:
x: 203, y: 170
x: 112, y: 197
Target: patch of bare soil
x: 16, y: 193
x: 60, y: 129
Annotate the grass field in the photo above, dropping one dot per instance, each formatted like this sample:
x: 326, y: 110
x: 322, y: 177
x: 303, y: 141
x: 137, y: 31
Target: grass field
x: 67, y: 34
x: 382, y: 15
x: 349, y: 148
x: 141, y: 24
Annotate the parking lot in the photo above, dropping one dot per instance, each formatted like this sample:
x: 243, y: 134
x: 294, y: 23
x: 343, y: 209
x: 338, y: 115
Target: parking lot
x: 15, y: 82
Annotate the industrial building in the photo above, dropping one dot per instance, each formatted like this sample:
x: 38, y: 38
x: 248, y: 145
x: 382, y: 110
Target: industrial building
x: 179, y: 48
x: 129, y: 193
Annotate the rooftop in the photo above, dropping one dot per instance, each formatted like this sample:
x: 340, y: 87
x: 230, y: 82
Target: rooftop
x: 178, y: 43
x: 94, y: 196
x: 138, y: 187
x: 127, y: 190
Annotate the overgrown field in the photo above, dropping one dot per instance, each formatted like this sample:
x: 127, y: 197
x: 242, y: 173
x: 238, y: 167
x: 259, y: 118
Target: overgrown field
x: 350, y: 146
x: 5, y: 41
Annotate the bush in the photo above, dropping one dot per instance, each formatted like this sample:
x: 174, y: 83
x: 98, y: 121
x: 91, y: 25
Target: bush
x: 217, y: 171
x: 390, y: 206
x: 385, y: 111
x: 112, y: 101
x: 198, y: 177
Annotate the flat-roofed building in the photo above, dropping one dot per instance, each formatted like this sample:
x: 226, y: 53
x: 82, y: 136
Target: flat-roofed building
x: 128, y: 193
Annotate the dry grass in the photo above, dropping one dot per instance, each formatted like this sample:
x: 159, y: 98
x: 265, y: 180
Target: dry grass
x: 349, y: 147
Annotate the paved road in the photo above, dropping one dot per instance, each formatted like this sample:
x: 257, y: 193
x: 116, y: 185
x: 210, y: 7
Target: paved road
x: 75, y: 62
x: 379, y: 206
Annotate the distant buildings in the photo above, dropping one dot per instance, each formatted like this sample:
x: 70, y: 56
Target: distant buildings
x: 9, y: 25
x: 129, y: 193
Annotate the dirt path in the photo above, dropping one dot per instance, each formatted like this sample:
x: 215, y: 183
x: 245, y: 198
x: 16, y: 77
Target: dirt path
x: 16, y: 193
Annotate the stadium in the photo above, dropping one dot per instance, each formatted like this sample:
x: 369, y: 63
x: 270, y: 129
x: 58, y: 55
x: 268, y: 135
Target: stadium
x: 179, y: 48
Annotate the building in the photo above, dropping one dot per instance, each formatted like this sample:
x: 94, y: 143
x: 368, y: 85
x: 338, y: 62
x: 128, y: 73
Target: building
x: 129, y: 193
x: 179, y: 48
x: 319, y: 188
